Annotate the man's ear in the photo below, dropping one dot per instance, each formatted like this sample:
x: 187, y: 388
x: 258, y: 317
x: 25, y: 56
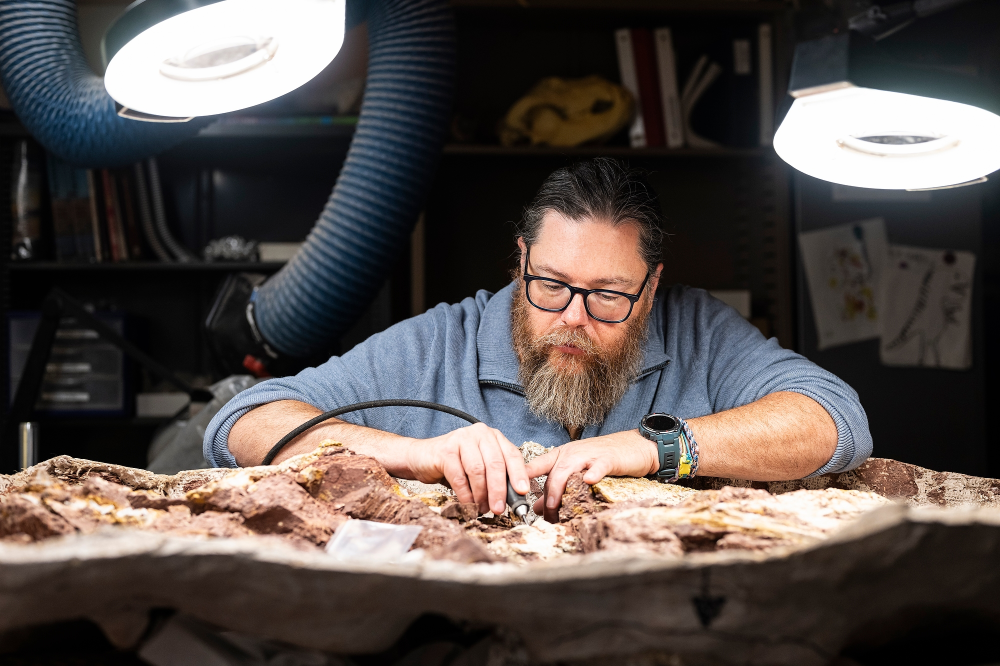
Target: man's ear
x: 524, y: 248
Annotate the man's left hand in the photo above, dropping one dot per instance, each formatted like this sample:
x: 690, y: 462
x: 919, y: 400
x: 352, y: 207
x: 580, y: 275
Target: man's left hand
x: 621, y: 454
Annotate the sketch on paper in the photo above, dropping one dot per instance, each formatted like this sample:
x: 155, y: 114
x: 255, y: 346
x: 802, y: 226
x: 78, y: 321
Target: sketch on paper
x: 844, y: 267
x: 927, y: 308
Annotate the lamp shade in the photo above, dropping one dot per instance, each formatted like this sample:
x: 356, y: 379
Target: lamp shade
x: 864, y: 123
x: 186, y: 58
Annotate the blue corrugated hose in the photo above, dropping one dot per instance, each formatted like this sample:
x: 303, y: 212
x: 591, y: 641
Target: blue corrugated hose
x: 378, y: 195
x: 59, y: 98
x: 373, y: 208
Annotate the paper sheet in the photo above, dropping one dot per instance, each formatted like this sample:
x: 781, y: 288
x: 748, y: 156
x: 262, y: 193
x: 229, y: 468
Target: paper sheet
x: 844, y: 267
x: 927, y: 308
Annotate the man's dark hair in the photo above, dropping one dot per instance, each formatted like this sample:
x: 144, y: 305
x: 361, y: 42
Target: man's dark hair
x: 605, y: 190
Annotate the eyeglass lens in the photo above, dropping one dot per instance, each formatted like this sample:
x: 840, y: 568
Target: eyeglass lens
x: 601, y: 305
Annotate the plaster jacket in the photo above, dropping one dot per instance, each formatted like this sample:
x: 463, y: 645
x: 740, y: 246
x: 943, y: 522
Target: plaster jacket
x: 701, y: 357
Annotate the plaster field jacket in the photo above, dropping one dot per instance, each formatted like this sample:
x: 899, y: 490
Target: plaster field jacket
x: 701, y: 357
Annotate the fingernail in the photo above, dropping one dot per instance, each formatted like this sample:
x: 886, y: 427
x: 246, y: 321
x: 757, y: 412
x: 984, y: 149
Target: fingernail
x: 498, y: 508
x: 523, y: 488
x: 552, y: 502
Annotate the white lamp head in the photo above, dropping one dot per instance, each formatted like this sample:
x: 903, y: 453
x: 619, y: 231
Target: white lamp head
x: 845, y: 132
x: 172, y: 60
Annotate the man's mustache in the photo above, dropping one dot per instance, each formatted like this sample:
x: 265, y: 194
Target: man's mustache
x: 568, y: 338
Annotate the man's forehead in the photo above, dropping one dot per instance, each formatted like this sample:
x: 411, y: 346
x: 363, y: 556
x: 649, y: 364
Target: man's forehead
x: 602, y: 253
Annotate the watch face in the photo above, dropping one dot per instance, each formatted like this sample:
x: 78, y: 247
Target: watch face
x: 660, y: 422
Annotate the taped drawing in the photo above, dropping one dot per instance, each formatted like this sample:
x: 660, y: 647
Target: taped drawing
x: 927, y: 308
x: 844, y: 266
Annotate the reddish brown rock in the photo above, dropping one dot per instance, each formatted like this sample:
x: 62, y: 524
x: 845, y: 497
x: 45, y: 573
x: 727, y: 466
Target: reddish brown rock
x: 28, y: 517
x: 578, y: 499
x: 916, y: 486
x: 274, y: 505
x: 440, y: 537
x: 463, y: 512
x: 338, y: 473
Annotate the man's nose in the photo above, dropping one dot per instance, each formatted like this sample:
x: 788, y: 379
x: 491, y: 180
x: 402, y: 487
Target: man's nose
x: 575, y: 313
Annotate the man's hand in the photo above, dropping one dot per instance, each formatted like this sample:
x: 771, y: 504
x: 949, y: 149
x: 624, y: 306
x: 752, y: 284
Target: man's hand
x: 621, y: 454
x: 475, y: 461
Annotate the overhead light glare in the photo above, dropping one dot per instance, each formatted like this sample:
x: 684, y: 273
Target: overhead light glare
x: 878, y: 139
x: 220, y: 57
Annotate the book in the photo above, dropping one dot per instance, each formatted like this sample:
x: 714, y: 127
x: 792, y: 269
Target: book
x: 95, y: 217
x: 765, y: 87
x: 666, y: 65
x: 629, y: 81
x: 60, y: 191
x: 649, y: 86
x: 702, y: 76
x: 125, y: 191
x: 116, y: 239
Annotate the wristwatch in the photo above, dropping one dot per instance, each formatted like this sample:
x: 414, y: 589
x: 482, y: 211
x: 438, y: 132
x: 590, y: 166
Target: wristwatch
x: 667, y: 432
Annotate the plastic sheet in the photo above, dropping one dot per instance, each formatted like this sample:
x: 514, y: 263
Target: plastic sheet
x: 179, y: 445
x: 368, y: 541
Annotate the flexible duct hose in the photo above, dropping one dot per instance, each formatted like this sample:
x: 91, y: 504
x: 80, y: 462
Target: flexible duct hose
x: 378, y: 196
x: 146, y: 215
x: 379, y: 192
x: 160, y: 215
x: 60, y: 100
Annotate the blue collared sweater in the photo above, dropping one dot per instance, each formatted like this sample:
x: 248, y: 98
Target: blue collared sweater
x: 701, y: 357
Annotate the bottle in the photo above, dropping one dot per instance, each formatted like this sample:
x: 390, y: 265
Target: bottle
x: 26, y: 200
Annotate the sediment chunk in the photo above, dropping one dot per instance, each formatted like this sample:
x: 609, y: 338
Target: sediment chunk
x: 305, y: 499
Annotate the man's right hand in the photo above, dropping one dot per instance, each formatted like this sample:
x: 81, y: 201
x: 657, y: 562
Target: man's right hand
x: 475, y: 461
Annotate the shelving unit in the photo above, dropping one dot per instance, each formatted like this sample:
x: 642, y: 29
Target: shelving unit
x: 147, y: 267
x: 727, y: 208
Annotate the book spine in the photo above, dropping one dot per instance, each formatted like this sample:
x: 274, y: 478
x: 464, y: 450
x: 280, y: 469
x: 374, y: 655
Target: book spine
x: 111, y: 215
x: 95, y: 217
x: 128, y: 206
x: 765, y: 74
x: 649, y: 87
x: 626, y: 71
x: 666, y: 65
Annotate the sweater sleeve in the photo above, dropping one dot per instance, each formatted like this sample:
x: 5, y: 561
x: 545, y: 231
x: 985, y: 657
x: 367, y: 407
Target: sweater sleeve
x: 390, y: 364
x: 743, y: 367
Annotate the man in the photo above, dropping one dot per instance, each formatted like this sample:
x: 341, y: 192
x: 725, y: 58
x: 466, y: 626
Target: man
x: 573, y: 354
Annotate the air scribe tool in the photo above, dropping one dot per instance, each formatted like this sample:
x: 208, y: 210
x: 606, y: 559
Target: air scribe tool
x: 518, y: 503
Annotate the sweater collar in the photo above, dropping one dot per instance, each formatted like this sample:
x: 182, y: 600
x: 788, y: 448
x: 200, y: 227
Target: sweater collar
x: 495, y: 344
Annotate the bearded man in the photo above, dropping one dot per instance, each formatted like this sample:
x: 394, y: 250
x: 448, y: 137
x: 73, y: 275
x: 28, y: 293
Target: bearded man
x: 578, y: 353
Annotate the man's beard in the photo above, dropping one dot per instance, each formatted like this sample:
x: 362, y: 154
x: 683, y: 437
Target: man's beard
x: 574, y: 390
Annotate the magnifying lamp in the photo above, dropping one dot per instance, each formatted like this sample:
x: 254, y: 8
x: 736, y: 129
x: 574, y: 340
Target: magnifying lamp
x: 860, y: 120
x: 172, y: 60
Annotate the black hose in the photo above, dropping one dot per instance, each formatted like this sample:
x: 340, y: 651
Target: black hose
x: 514, y: 499
x: 357, y: 407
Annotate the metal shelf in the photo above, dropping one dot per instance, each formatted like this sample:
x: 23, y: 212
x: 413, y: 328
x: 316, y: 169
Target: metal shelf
x: 685, y: 6
x: 596, y: 151
x: 145, y: 267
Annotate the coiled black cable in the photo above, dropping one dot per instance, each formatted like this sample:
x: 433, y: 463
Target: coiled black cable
x: 517, y: 502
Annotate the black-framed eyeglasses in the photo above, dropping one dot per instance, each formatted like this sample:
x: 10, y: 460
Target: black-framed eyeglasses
x: 605, y: 305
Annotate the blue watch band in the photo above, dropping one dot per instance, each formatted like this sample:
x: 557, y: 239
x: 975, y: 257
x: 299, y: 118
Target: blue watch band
x: 665, y: 431
x: 668, y: 448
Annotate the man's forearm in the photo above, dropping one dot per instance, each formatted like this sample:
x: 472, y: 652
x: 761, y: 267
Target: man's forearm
x: 258, y: 430
x: 782, y: 436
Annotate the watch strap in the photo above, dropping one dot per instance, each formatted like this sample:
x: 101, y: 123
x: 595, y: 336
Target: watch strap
x: 677, y: 453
